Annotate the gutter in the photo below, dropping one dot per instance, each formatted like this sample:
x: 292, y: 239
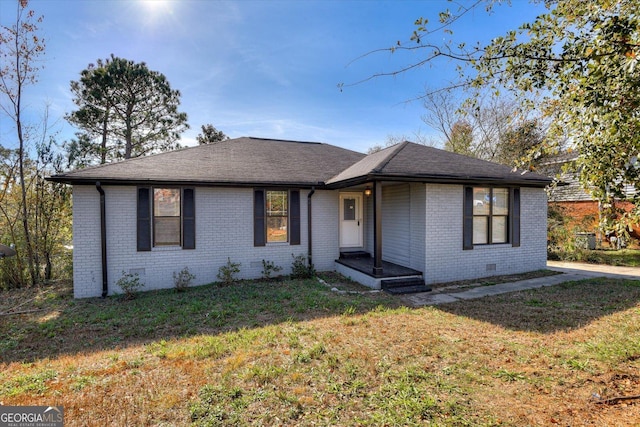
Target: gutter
x: 309, y: 240
x: 103, y: 239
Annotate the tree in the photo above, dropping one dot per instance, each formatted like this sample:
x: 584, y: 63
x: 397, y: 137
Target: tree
x: 124, y: 110
x: 460, y: 139
x: 517, y: 145
x: 210, y: 135
x: 474, y: 129
x: 581, y: 59
x: 20, y: 48
x: 35, y: 215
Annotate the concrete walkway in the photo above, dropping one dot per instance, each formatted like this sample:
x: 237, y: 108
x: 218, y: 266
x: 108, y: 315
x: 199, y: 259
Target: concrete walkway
x: 570, y: 272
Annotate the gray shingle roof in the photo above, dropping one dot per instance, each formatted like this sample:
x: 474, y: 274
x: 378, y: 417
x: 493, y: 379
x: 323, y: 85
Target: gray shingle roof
x: 246, y: 161
x: 428, y: 164
x: 262, y: 162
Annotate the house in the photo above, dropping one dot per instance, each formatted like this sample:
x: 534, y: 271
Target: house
x: 576, y: 203
x: 408, y: 213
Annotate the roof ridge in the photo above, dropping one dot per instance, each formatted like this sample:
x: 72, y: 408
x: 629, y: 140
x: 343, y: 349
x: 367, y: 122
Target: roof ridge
x: 384, y: 162
x: 284, y: 140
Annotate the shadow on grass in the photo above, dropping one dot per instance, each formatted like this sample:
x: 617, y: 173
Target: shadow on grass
x: 566, y: 306
x: 67, y: 326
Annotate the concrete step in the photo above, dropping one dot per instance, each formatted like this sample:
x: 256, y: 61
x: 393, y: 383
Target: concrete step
x: 407, y: 285
x: 355, y: 254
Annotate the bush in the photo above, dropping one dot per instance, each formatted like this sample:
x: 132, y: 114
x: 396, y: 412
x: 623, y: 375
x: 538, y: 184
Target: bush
x: 183, y: 279
x: 268, y: 268
x: 130, y: 284
x: 300, y: 269
x: 227, y: 273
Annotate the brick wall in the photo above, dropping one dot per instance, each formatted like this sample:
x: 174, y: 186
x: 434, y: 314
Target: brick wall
x: 224, y: 229
x: 445, y: 260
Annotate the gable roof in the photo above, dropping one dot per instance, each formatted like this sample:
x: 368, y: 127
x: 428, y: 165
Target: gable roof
x: 241, y: 161
x: 251, y: 161
x: 410, y: 161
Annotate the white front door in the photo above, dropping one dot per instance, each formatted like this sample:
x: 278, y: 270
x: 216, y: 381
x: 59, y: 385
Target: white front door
x: 351, y: 224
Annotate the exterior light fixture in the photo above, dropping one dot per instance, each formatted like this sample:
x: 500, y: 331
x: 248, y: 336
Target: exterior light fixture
x: 367, y: 191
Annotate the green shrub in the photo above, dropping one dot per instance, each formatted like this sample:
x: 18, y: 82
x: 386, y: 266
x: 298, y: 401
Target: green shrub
x: 300, y: 269
x: 227, y: 273
x: 130, y: 284
x: 183, y: 279
x: 268, y: 268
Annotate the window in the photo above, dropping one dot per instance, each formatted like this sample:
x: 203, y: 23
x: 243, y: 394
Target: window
x: 166, y: 217
x: 490, y: 215
x: 277, y: 207
x: 276, y: 217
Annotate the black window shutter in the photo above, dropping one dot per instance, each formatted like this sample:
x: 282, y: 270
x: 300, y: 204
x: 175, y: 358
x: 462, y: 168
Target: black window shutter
x: 294, y: 217
x: 259, y: 228
x: 467, y: 219
x: 144, y: 219
x: 188, y: 219
x: 515, y: 218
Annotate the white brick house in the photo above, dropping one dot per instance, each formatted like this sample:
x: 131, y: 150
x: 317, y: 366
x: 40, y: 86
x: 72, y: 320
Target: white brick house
x: 409, y: 211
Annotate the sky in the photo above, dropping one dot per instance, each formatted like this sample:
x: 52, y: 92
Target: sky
x: 267, y: 69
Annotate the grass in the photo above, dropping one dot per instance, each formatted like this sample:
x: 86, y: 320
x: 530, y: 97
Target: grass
x: 622, y: 258
x: 295, y: 353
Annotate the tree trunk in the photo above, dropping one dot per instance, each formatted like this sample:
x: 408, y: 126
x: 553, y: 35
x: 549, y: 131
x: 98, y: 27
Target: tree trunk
x: 23, y: 189
x: 103, y: 148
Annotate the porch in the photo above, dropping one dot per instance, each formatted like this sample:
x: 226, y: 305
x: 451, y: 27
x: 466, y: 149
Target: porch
x: 392, y: 278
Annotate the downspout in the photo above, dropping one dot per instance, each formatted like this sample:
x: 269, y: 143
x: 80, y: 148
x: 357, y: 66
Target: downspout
x: 309, y: 240
x: 103, y: 239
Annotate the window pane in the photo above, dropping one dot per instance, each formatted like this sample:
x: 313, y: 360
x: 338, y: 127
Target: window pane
x: 277, y: 229
x: 499, y: 229
x: 166, y: 230
x: 277, y: 203
x: 166, y: 202
x: 501, y: 201
x: 349, y: 209
x: 481, y: 201
x: 480, y: 230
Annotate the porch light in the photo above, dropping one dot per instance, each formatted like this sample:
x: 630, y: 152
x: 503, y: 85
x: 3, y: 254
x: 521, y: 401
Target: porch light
x: 367, y: 191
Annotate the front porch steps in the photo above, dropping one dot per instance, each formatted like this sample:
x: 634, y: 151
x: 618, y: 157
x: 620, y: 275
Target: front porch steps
x: 409, y: 285
x: 354, y: 254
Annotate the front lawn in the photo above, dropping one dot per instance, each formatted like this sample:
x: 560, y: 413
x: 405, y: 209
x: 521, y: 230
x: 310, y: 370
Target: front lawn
x: 296, y: 353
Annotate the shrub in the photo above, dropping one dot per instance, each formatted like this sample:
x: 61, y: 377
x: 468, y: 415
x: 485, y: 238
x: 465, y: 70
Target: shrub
x: 183, y: 279
x: 268, y: 268
x: 300, y: 269
x: 130, y: 284
x: 227, y: 273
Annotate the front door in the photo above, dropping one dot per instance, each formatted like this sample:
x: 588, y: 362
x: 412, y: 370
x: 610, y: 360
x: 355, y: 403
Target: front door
x: 351, y: 224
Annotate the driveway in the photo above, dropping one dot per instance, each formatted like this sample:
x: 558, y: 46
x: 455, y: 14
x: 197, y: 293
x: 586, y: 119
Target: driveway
x: 571, y: 271
x: 595, y: 270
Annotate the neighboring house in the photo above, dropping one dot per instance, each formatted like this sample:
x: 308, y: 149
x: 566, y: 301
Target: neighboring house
x: 574, y: 201
x: 408, y: 212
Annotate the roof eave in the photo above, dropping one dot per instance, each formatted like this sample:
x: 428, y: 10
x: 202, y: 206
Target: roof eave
x: 439, y: 179
x: 146, y: 182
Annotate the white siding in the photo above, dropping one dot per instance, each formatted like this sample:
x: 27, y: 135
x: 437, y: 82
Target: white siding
x: 224, y: 229
x: 396, y: 223
x: 445, y: 260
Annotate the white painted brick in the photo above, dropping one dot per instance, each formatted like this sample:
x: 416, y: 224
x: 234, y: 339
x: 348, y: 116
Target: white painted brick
x: 445, y: 260
x: 224, y: 229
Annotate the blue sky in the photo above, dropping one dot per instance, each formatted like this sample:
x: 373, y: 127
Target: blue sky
x: 258, y: 68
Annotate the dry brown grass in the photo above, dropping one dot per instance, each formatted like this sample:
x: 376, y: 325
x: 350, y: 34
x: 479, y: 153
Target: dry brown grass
x: 540, y: 357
